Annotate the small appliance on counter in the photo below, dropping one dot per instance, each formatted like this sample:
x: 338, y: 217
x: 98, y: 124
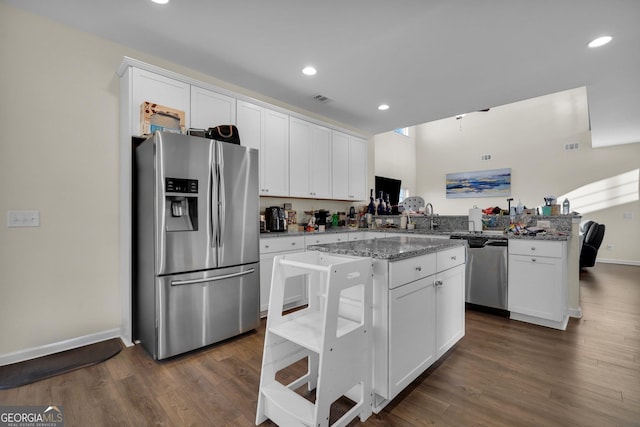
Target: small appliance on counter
x: 275, y: 219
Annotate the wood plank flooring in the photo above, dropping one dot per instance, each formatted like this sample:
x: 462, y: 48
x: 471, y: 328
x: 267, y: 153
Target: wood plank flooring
x: 502, y: 373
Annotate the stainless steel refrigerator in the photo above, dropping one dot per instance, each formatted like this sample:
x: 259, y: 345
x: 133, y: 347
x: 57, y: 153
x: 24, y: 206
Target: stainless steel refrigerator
x: 196, y: 251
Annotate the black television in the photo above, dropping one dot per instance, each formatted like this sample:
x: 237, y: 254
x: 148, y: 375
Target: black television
x: 389, y: 186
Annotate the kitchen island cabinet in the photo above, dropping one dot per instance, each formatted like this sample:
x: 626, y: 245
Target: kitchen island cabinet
x: 538, y: 282
x: 418, y: 305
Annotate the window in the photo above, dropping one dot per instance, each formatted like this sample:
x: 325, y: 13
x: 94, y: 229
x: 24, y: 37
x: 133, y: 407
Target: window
x: 402, y: 131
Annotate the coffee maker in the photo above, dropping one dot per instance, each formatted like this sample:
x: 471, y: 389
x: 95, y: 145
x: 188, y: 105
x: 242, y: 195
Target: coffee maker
x: 275, y: 219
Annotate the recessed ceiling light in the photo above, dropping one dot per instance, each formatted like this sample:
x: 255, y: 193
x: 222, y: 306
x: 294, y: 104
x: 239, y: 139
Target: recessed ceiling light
x: 600, y: 41
x: 160, y: 1
x: 309, y: 71
x: 383, y: 107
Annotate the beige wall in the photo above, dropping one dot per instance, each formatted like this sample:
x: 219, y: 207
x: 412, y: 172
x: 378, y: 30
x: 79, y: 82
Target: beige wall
x: 529, y: 137
x: 395, y: 156
x: 59, y: 155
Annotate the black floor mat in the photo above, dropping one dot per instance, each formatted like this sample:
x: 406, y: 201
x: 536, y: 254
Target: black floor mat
x: 30, y: 371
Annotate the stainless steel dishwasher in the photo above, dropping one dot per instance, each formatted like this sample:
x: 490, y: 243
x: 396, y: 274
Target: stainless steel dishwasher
x: 486, y: 278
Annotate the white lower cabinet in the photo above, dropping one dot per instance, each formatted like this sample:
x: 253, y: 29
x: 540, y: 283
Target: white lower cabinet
x: 412, y: 337
x: 450, y: 297
x: 538, y: 282
x: 418, y: 316
x: 295, y: 289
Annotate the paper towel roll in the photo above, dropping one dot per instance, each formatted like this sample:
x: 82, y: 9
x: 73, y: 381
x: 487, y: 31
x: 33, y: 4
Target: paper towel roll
x: 475, y: 219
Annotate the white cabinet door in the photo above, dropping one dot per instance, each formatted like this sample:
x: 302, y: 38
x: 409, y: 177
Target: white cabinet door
x: 340, y: 165
x: 209, y: 109
x: 535, y: 286
x: 412, y: 336
x: 349, y: 168
x: 299, y: 144
x: 320, y: 162
x: 449, y: 308
x: 295, y: 288
x: 357, y: 169
x: 152, y: 87
x: 275, y: 153
x: 267, y: 131
x: 309, y: 160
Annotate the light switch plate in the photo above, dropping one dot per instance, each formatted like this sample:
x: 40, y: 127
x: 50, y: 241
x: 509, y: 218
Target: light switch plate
x: 544, y: 224
x: 23, y: 219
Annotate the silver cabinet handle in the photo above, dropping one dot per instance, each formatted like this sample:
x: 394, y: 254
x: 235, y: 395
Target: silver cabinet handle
x: 418, y: 268
x: 438, y: 283
x: 453, y: 258
x: 533, y: 260
x: 293, y: 243
x: 533, y: 248
x: 211, y: 279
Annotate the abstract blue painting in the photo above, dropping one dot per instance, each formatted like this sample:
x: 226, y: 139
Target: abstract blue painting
x: 487, y: 183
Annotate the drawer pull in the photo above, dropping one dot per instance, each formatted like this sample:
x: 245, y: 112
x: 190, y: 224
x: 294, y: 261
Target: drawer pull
x: 453, y: 258
x: 293, y: 243
x: 266, y: 246
x: 438, y: 283
x: 418, y: 268
x: 533, y: 248
x: 533, y: 260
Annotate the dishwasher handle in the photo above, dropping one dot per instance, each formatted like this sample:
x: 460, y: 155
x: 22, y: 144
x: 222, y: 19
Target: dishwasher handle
x: 211, y: 279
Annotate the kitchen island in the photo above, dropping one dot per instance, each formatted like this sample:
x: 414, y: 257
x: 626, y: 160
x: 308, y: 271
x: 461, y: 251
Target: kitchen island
x: 418, y: 305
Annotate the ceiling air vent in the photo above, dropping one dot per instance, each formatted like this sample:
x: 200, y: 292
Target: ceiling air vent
x: 320, y: 98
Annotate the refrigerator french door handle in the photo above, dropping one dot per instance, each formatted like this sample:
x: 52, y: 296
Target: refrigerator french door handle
x: 211, y: 279
x: 221, y: 196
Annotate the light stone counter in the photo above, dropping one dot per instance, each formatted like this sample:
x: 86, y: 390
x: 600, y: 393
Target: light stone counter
x: 390, y: 248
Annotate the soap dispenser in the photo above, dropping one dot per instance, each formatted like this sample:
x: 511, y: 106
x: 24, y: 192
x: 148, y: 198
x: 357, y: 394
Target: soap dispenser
x: 519, y: 208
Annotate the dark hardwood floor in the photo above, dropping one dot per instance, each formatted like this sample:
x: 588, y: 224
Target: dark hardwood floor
x: 502, y: 373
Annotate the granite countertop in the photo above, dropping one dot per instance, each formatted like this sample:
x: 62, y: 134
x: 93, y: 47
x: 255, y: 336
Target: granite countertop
x: 391, y: 248
x: 490, y: 233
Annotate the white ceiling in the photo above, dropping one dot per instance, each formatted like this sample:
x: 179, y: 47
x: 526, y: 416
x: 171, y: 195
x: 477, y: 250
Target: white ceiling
x: 427, y: 59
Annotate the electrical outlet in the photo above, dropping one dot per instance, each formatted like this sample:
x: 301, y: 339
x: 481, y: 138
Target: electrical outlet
x: 23, y: 219
x: 544, y: 224
x: 609, y: 247
x: 628, y: 215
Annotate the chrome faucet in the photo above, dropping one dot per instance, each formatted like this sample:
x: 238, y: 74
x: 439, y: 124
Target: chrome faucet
x: 428, y: 209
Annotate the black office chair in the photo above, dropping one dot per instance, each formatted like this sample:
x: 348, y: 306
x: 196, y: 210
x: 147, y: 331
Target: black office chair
x: 593, y: 235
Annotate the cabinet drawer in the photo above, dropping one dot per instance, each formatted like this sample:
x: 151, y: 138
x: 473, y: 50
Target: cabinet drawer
x: 450, y: 258
x: 535, y: 247
x: 279, y: 244
x: 410, y: 269
x: 320, y: 239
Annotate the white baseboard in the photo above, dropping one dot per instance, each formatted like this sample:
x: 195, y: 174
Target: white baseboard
x: 56, y: 347
x: 618, y: 261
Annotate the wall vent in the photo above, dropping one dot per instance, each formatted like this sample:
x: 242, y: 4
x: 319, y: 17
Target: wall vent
x: 571, y: 146
x: 320, y: 98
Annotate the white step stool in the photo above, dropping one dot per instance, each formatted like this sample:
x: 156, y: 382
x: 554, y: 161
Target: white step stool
x: 333, y: 332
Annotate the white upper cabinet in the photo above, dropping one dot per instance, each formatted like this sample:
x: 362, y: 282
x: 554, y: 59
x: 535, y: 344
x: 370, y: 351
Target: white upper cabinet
x: 349, y: 169
x: 267, y: 131
x: 210, y: 109
x: 152, y: 87
x: 309, y: 160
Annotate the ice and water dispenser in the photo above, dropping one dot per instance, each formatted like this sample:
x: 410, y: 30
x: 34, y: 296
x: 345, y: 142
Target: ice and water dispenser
x: 181, y: 204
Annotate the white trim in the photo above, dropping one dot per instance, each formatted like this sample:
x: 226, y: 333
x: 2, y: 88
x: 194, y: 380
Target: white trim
x: 56, y: 347
x: 618, y: 261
